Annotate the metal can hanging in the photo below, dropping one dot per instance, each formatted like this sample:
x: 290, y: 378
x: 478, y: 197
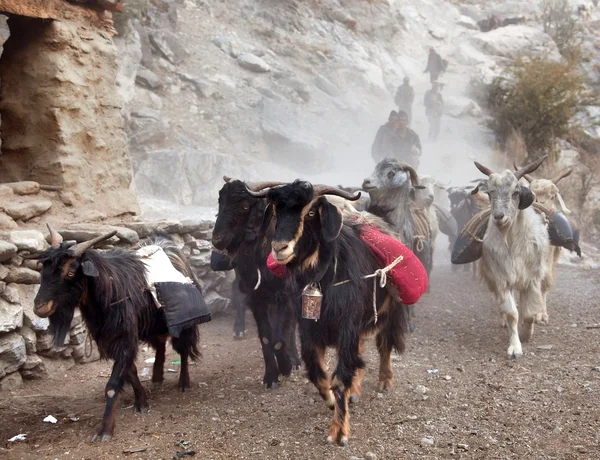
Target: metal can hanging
x: 312, y: 298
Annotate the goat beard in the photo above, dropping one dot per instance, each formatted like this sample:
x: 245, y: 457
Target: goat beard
x: 60, y: 325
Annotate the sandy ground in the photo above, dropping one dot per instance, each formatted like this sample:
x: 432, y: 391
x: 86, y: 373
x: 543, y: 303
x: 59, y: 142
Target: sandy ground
x: 478, y: 404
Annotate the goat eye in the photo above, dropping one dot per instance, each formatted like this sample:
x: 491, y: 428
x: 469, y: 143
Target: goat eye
x: 246, y: 207
x: 516, y: 193
x: 311, y: 214
x: 391, y: 174
x: 70, y: 274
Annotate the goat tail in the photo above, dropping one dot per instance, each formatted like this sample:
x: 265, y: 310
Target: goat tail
x: 395, y: 327
x: 188, y: 342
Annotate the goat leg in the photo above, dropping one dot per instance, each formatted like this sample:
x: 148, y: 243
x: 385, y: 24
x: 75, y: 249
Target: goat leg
x: 346, y: 372
x: 314, y: 360
x: 509, y: 307
x: 385, y: 364
x: 282, y: 322
x: 141, y: 399
x: 271, y: 377
x: 159, y: 344
x: 180, y: 346
x: 357, y: 381
x: 339, y: 431
x: 111, y: 392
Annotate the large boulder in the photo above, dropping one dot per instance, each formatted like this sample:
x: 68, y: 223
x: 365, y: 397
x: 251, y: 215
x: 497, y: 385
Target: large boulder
x: 85, y: 232
x: 253, y: 63
x: 24, y: 187
x: 168, y: 45
x: 22, y: 275
x: 27, y: 294
x: 12, y: 353
x: 26, y: 240
x: 513, y: 41
x: 7, y: 251
x: 26, y: 208
x: 290, y: 141
x: 34, y: 368
x: 11, y: 316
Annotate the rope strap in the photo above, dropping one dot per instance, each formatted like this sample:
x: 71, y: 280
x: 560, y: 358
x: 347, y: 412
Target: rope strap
x: 382, y: 274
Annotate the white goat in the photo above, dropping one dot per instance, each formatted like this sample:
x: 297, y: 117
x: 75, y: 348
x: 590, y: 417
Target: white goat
x: 517, y: 256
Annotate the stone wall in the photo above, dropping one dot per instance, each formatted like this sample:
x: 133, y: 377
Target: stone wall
x: 61, y: 119
x: 25, y: 342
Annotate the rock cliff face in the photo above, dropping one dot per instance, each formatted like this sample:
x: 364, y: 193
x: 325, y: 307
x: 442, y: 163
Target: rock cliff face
x: 61, y: 120
x: 280, y: 90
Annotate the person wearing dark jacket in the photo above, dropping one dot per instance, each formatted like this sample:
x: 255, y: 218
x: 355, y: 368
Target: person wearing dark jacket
x: 435, y: 65
x: 434, y: 107
x: 405, y: 96
x: 396, y: 140
x: 385, y: 139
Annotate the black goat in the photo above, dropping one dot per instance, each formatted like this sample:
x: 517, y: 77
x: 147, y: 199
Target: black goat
x: 111, y: 290
x: 239, y: 231
x: 219, y: 262
x: 315, y: 244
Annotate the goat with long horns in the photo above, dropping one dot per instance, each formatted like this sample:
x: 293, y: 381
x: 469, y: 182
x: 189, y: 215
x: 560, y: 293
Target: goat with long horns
x: 516, y: 253
x: 315, y: 245
x: 110, y: 289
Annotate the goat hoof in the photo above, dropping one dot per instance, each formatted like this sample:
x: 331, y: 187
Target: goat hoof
x: 285, y: 368
x: 343, y: 441
x: 142, y: 410
x: 157, y: 385
x: 271, y: 386
x: 354, y: 399
x: 514, y: 353
x: 104, y: 437
x: 239, y: 335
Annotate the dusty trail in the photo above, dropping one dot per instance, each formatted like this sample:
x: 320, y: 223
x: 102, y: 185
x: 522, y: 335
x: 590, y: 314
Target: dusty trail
x: 542, y: 406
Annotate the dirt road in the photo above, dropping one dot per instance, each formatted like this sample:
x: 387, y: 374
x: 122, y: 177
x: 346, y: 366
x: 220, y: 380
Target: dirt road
x: 478, y: 404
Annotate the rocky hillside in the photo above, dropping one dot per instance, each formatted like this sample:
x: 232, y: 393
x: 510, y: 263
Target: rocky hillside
x: 286, y: 89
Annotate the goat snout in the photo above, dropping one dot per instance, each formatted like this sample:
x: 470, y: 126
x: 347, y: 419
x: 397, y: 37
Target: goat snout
x: 43, y: 310
x: 367, y: 184
x: 279, y: 246
x: 499, y: 215
x: 219, y: 241
x: 283, y: 251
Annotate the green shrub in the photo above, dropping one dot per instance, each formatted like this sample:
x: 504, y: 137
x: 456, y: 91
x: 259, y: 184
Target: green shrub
x: 560, y: 23
x: 537, y: 98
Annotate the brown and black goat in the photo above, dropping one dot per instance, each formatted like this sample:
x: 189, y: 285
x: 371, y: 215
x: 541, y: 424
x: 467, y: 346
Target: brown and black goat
x: 239, y: 231
x: 316, y: 245
x: 110, y: 289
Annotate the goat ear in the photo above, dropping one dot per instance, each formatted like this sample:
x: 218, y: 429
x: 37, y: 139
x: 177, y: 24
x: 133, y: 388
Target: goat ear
x: 267, y: 217
x: 89, y: 269
x: 526, y: 197
x: 399, y: 179
x: 254, y: 223
x: 331, y: 220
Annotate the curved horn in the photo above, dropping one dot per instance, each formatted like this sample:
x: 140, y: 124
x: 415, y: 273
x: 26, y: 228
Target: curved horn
x: 79, y: 249
x: 261, y: 194
x: 529, y: 177
x: 561, y: 175
x: 55, y: 238
x: 414, y: 177
x: 258, y: 186
x: 530, y: 167
x: 320, y: 190
x: 485, y: 170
